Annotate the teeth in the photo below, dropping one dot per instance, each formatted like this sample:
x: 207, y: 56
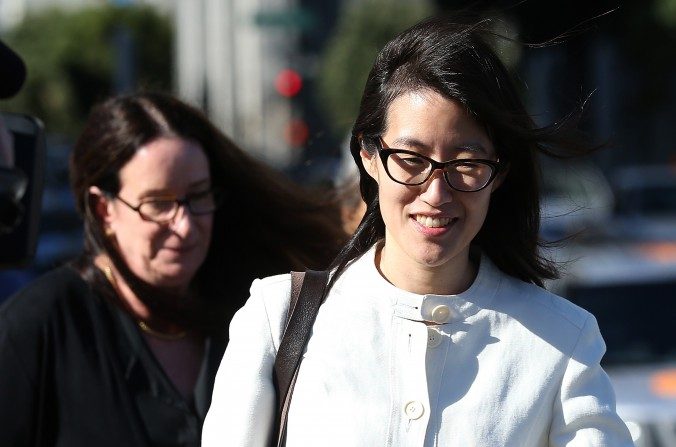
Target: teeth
x: 432, y: 222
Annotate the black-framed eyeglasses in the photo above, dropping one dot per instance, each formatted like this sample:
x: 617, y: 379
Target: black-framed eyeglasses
x: 164, y: 209
x: 462, y: 174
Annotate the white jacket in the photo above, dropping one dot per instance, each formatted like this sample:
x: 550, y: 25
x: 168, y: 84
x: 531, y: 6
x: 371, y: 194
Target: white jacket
x: 513, y: 366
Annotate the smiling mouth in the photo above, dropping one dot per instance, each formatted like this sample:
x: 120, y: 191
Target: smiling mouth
x: 432, y: 222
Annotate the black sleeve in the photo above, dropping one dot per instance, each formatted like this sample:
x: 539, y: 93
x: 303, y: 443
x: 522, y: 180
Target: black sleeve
x: 27, y: 391
x: 19, y: 401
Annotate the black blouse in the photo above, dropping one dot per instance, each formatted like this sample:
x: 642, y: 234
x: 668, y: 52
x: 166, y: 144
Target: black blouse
x: 75, y: 371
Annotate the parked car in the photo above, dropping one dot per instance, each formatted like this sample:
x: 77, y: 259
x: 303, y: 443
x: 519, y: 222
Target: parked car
x: 631, y: 290
x: 645, y: 203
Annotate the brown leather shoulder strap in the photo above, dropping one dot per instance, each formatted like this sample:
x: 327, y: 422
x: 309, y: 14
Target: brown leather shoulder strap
x: 307, y: 294
x: 296, y: 284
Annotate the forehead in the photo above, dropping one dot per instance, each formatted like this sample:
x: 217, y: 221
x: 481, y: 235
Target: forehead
x: 165, y: 163
x: 427, y: 119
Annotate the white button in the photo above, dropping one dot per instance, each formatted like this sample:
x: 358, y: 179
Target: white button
x: 441, y: 314
x: 433, y: 337
x: 414, y: 409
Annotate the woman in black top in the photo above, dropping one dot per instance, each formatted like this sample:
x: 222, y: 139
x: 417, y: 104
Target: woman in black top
x: 121, y: 347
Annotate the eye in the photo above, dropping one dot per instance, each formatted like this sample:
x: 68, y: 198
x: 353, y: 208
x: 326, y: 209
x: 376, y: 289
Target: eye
x: 201, y: 197
x: 157, y: 208
x: 203, y: 202
x: 408, y: 161
x: 199, y: 194
x: 412, y: 161
x: 466, y: 167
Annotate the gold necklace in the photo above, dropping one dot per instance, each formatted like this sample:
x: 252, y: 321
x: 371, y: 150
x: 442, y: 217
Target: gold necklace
x: 108, y: 271
x: 161, y: 335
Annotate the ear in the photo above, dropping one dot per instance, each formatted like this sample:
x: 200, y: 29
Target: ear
x: 370, y: 163
x: 500, y: 178
x: 101, y: 206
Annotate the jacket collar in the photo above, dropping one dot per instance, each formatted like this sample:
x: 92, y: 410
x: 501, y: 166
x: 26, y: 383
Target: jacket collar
x: 412, y: 306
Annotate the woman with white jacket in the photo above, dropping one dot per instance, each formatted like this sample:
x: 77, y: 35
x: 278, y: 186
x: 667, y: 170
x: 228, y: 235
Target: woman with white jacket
x: 436, y: 330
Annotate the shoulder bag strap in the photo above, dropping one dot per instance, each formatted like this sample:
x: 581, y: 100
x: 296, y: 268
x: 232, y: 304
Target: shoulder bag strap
x: 307, y: 294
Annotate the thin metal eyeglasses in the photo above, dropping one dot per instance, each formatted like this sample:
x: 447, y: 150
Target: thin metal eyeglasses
x: 164, y: 209
x: 411, y: 168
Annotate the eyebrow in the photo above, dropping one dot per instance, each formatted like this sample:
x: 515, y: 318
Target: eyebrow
x: 414, y: 142
x: 410, y: 142
x: 165, y: 193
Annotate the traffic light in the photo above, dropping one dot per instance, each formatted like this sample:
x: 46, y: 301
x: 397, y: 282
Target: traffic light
x: 289, y: 84
x: 296, y: 132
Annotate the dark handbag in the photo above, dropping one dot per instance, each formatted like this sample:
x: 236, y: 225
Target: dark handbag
x: 307, y: 294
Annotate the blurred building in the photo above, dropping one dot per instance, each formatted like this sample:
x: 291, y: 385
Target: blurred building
x: 236, y: 59
x: 231, y: 58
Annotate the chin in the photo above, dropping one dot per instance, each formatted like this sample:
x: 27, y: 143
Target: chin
x: 437, y: 256
x: 174, y: 276
x: 430, y: 258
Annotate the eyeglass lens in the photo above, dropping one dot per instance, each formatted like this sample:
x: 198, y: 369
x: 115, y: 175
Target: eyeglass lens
x: 166, y: 209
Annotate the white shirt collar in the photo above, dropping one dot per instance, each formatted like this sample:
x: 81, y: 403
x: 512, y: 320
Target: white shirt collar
x: 363, y: 274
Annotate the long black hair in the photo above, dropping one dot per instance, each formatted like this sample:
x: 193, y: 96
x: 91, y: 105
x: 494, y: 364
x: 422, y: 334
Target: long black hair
x: 454, y: 58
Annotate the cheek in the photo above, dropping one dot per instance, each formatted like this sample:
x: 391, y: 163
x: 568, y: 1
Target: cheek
x: 394, y: 198
x: 139, y: 240
x: 477, y: 207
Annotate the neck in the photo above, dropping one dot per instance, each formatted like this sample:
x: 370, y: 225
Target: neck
x: 453, y: 277
x: 139, y: 310
x: 137, y: 307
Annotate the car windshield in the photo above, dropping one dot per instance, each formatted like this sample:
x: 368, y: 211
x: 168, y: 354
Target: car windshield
x: 636, y: 320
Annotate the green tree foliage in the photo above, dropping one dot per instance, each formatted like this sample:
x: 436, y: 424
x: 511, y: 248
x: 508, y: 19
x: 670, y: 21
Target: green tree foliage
x: 362, y: 30
x: 665, y: 10
x: 71, y: 57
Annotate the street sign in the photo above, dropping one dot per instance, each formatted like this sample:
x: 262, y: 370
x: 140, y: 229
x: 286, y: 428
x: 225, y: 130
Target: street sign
x: 288, y: 18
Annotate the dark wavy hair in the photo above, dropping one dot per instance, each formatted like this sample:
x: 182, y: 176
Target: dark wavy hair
x: 268, y: 226
x: 453, y: 57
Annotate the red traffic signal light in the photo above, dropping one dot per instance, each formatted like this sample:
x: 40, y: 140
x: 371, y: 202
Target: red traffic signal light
x: 296, y: 133
x: 288, y: 83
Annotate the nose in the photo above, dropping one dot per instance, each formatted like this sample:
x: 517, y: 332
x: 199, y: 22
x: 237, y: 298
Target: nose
x: 183, y: 221
x: 436, y: 190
